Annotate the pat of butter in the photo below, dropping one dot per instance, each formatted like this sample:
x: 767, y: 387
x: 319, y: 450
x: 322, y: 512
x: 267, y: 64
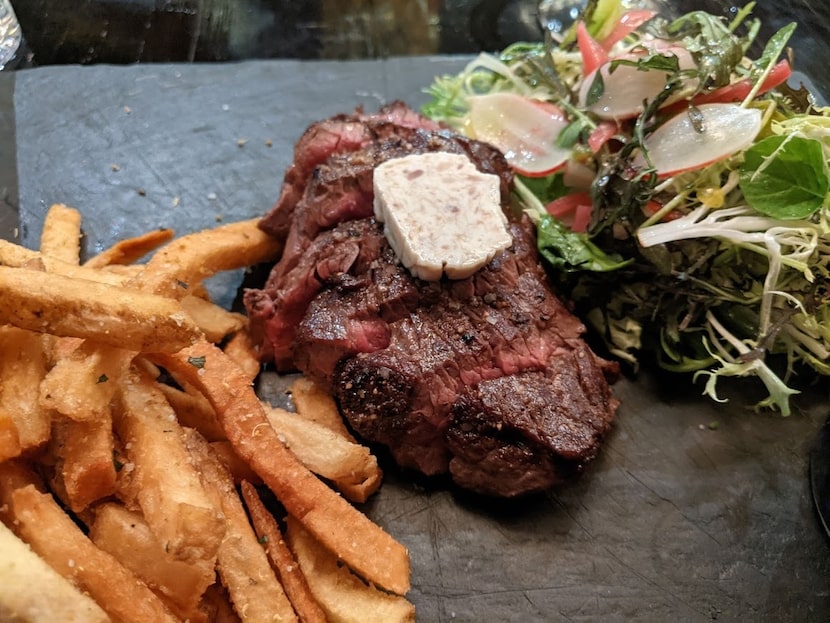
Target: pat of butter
x: 441, y: 215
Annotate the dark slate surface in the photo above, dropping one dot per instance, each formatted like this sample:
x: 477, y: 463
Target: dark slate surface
x: 677, y: 520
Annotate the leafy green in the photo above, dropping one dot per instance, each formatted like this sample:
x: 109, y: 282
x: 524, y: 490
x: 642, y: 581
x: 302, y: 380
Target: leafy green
x: 785, y: 176
x: 719, y: 271
x: 570, y: 251
x: 717, y: 50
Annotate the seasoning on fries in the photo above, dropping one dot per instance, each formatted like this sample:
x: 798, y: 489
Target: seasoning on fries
x: 123, y: 474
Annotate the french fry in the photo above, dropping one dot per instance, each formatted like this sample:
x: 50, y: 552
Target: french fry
x: 125, y: 535
x: 282, y: 560
x: 241, y: 348
x: 352, y: 468
x: 160, y: 499
x: 61, y: 235
x: 242, y: 564
x: 170, y: 493
x: 15, y: 256
x: 189, y: 260
x: 214, y: 321
x: 355, y: 539
x: 38, y: 520
x: 344, y: 597
x: 83, y: 379
x: 85, y: 460
x: 130, y: 250
x: 9, y: 437
x: 238, y: 468
x: 217, y: 605
x: 194, y: 411
x: 125, y: 271
x: 24, y: 580
x: 108, y: 314
x: 22, y: 368
x: 313, y: 402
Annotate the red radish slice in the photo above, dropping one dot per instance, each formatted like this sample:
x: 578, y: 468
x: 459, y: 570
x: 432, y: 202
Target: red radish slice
x: 738, y: 91
x: 582, y: 218
x: 629, y: 22
x: 592, y: 53
x: 603, y: 133
x: 676, y: 146
x: 525, y: 130
x: 567, y: 204
x: 627, y: 87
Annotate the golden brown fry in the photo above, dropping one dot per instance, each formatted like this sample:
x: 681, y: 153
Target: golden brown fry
x: 61, y: 235
x: 171, y: 495
x: 217, y: 605
x: 313, y: 402
x: 242, y: 349
x: 344, y: 597
x: 84, y: 460
x: 38, y: 520
x: 83, y: 379
x: 125, y: 535
x: 214, y: 321
x: 15, y: 256
x: 282, y: 560
x: 22, y: 367
x: 111, y: 315
x: 190, y: 259
x: 238, y: 468
x: 9, y: 437
x: 352, y: 536
x: 130, y: 250
x: 243, y: 566
x: 194, y: 411
x: 352, y: 468
x: 126, y: 271
x: 25, y: 579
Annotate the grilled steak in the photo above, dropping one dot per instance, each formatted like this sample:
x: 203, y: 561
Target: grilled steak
x: 486, y: 378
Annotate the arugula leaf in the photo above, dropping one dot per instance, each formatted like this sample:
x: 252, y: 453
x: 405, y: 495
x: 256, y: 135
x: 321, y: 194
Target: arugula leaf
x: 569, y: 251
x: 715, y: 48
x: 547, y: 188
x: 775, y: 46
x: 785, y: 177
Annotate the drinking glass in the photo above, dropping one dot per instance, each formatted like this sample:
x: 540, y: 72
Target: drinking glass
x: 10, y: 34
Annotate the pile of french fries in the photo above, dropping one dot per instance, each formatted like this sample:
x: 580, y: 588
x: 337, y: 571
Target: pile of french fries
x: 134, y: 450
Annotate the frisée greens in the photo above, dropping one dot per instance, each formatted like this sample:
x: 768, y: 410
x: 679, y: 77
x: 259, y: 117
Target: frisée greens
x: 683, y: 203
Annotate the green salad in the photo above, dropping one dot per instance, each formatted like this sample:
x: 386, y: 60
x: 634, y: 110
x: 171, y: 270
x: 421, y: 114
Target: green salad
x: 678, y: 183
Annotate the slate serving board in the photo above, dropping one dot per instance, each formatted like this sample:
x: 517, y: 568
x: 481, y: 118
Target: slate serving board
x: 694, y: 511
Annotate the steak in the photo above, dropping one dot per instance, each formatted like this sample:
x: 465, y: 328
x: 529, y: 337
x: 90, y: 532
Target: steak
x: 486, y: 378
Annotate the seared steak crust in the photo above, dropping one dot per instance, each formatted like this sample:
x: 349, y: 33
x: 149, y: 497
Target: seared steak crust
x: 486, y: 378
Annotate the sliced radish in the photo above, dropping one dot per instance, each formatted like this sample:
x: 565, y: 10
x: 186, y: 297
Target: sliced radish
x: 525, y: 130
x: 676, y: 146
x: 574, y: 210
x: 576, y: 174
x: 592, y: 53
x: 627, y: 88
x: 738, y: 91
x: 629, y: 22
x: 603, y: 133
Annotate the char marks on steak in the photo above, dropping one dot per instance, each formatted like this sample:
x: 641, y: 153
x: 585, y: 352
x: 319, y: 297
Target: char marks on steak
x: 486, y: 378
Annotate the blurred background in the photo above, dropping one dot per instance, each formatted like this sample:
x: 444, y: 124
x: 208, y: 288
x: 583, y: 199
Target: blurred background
x: 129, y: 31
